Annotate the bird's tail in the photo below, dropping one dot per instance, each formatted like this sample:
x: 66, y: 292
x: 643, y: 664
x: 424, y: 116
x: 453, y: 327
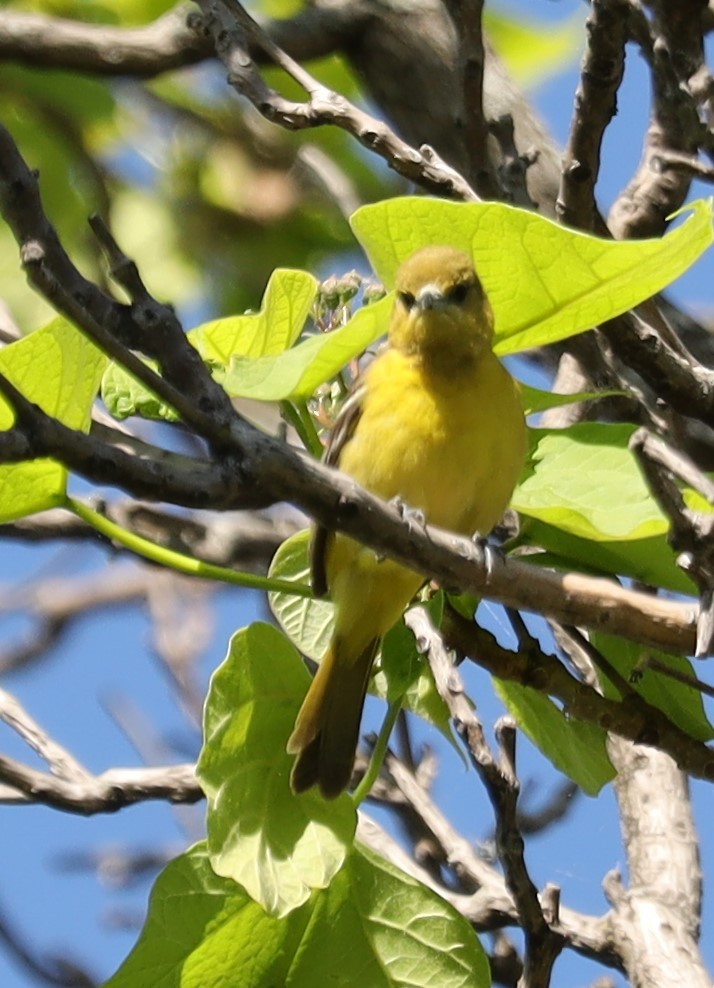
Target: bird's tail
x: 327, y: 727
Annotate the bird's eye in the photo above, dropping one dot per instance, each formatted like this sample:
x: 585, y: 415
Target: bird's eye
x: 458, y: 293
x: 407, y: 300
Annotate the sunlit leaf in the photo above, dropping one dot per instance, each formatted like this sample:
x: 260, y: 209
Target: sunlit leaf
x: 285, y: 307
x: 58, y: 369
x: 278, y: 846
x: 544, y: 281
x: 576, y: 748
x: 374, y: 926
x: 650, y: 560
x: 571, y: 479
x: 535, y: 400
x: 297, y: 372
x: 307, y: 621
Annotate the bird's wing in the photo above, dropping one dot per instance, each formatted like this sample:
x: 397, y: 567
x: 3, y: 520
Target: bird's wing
x: 342, y: 432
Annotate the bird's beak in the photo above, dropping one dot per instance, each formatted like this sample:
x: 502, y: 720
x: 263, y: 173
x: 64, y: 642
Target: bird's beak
x: 430, y: 297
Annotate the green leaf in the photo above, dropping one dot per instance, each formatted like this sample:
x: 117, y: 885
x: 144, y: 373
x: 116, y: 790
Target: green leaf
x: 380, y: 928
x: 59, y: 369
x: 374, y: 926
x: 544, y: 281
x: 535, y: 400
x: 286, y: 305
x: 125, y: 395
x: 650, y: 561
x: 297, y: 372
x: 205, y: 930
x: 681, y: 703
x: 307, y: 621
x: 585, y: 481
x: 576, y: 748
x: 278, y: 846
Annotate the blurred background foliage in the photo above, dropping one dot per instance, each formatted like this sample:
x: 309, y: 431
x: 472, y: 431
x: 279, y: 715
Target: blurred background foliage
x: 199, y: 189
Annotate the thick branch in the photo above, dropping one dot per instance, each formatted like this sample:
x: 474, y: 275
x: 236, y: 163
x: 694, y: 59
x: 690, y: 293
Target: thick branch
x: 656, y: 925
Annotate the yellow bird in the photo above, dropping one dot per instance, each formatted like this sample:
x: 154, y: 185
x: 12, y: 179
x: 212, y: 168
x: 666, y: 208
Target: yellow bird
x: 435, y: 421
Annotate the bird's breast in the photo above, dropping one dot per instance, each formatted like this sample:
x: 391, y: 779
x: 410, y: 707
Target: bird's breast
x: 450, y: 446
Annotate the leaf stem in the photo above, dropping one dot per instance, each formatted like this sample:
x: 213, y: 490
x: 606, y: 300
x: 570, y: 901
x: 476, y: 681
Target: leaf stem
x: 311, y: 437
x: 177, y: 560
x: 380, y: 750
x: 298, y: 415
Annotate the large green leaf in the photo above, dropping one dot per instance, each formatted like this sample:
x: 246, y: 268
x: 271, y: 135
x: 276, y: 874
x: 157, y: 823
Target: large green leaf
x: 544, y: 281
x: 278, y: 846
x: 576, y: 748
x: 205, y: 930
x: 378, y: 927
x: 374, y: 926
x: 58, y: 369
x: 284, y: 309
x: 683, y: 704
x: 585, y: 481
x: 297, y: 372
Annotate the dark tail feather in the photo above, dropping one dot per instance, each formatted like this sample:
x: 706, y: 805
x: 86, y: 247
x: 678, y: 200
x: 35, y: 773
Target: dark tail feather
x: 327, y: 728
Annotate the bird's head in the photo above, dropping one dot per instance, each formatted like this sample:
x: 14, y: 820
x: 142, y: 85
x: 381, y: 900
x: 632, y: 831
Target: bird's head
x: 441, y: 312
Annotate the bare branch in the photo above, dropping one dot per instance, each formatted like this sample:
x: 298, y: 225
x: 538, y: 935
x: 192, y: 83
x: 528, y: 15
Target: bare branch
x: 105, y: 793
x: 235, y: 32
x: 542, y: 944
x: 39, y: 40
x: 595, y: 105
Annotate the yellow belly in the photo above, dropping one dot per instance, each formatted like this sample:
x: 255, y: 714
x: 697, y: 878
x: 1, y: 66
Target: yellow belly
x: 451, y: 448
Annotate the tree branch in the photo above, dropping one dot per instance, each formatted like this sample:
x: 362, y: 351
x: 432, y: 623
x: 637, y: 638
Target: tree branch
x: 543, y: 944
x: 235, y: 33
x: 105, y: 793
x: 634, y: 719
x: 595, y: 105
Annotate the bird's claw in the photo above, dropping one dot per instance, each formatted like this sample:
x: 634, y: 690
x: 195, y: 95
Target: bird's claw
x: 414, y: 517
x: 491, y: 553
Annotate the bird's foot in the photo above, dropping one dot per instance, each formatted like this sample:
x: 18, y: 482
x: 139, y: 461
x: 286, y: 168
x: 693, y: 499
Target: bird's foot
x: 491, y: 553
x: 414, y: 517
